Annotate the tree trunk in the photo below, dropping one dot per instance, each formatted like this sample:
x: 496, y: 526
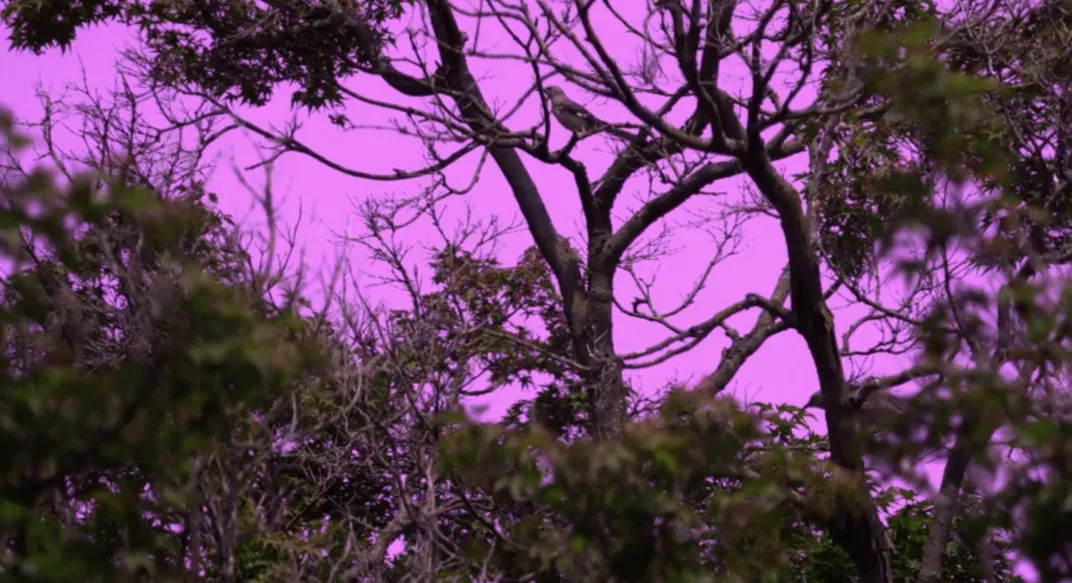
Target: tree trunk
x: 603, y: 380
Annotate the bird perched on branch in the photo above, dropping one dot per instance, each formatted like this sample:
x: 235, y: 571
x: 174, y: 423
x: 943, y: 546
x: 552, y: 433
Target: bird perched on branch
x: 877, y: 402
x: 876, y: 415
x: 575, y: 118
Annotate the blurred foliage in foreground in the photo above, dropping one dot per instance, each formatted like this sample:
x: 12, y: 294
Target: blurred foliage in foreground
x: 163, y: 421
x: 170, y: 410
x: 130, y: 349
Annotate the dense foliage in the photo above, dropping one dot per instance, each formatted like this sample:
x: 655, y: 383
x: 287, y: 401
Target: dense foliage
x: 174, y: 408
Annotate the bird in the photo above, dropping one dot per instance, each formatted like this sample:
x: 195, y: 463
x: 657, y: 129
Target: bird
x: 878, y: 415
x: 575, y: 118
x: 879, y: 401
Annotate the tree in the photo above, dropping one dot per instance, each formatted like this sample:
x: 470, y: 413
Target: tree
x: 131, y: 341
x: 914, y: 101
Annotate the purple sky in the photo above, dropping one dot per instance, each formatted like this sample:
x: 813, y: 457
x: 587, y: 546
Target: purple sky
x: 780, y: 372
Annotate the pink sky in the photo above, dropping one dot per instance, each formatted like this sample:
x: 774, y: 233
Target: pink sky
x: 780, y: 372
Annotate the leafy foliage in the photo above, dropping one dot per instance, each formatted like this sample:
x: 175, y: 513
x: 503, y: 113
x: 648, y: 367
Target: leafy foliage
x: 130, y: 349
x: 252, y: 47
x: 170, y: 420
